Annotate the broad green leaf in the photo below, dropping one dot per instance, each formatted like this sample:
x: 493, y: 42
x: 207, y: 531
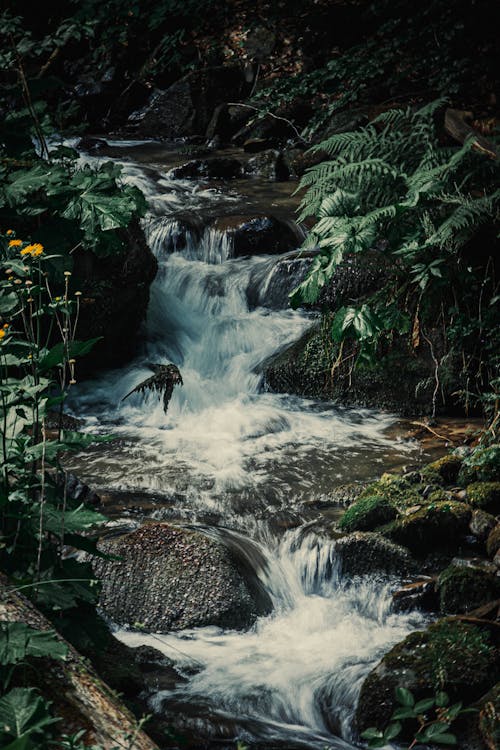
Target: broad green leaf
x: 404, y: 713
x: 81, y: 518
x: 18, y: 640
x: 436, y: 729
x: 57, y: 355
x: 23, y: 713
x: 404, y: 697
x: 372, y: 733
x: 424, y: 705
x: 445, y: 739
x: 392, y: 731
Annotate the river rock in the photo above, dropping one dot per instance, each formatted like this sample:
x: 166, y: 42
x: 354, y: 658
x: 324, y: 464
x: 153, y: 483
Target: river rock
x: 465, y: 588
x: 114, y: 300
x: 187, y: 106
x: 259, y: 235
x: 271, y: 289
x: 493, y: 541
x: 439, y: 525
x: 169, y: 578
x: 216, y: 168
x: 458, y: 657
x: 485, y: 495
x: 481, y: 524
x: 366, y: 552
x: 226, y: 120
x: 268, y: 164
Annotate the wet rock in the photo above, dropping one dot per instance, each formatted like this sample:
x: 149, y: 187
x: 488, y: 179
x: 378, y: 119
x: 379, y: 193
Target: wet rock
x: 115, y: 296
x: 256, y: 145
x: 171, y: 579
x: 311, y: 368
x: 186, y: 107
x: 256, y: 235
x: 287, y: 120
x: 463, y: 588
x: 439, y: 525
x: 273, y: 292
x: 367, y: 513
x: 269, y: 165
x: 419, y: 595
x: 217, y: 168
x: 485, y: 495
x: 447, y: 468
x: 299, y: 161
x: 458, y: 657
x: 481, y: 524
x: 493, y: 541
x: 365, y: 552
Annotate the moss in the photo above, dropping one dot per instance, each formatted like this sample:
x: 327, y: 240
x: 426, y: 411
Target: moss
x: 493, y: 541
x: 462, y: 588
x: 483, y: 465
x: 489, y: 717
x: 446, y: 468
x: 439, y: 496
x: 399, y: 492
x: 485, y: 495
x: 441, y: 524
x: 456, y: 657
x: 367, y: 513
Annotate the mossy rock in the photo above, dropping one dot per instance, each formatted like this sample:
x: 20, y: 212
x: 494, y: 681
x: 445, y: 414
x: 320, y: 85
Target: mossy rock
x: 483, y: 465
x: 399, y: 492
x: 493, y: 541
x: 446, y: 468
x: 463, y: 588
x: 453, y: 656
x: 489, y: 718
x: 366, y: 514
x: 441, y: 524
x: 482, y: 524
x: 485, y: 495
x: 367, y: 552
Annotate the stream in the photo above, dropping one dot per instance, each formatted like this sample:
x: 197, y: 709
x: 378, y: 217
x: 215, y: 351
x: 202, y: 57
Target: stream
x: 250, y: 467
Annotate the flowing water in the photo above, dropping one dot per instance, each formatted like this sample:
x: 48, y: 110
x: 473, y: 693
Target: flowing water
x: 247, y: 466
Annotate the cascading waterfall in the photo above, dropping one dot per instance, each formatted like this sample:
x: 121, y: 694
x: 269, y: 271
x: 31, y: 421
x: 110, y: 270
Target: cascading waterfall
x: 239, y: 456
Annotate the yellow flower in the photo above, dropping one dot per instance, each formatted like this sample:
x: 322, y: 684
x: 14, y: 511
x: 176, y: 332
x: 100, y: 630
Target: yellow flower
x: 9, y: 232
x: 15, y: 243
x: 34, y: 250
x: 2, y: 333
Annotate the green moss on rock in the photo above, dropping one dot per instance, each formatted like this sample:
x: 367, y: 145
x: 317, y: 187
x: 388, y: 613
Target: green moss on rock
x: 462, y: 588
x: 446, y: 468
x: 485, y: 495
x: 399, y: 492
x: 367, y: 513
x: 456, y: 657
x: 367, y: 552
x: 441, y: 524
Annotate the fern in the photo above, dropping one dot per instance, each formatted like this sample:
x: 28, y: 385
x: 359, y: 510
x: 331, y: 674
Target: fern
x: 393, y: 181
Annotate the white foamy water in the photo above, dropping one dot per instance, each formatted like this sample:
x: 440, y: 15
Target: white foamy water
x: 228, y: 449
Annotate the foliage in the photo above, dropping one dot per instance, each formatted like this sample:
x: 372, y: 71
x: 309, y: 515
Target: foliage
x: 393, y: 186
x: 407, y: 53
x: 433, y: 718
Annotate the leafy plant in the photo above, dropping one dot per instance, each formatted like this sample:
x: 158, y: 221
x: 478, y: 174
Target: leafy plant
x: 394, y: 187
x: 431, y: 719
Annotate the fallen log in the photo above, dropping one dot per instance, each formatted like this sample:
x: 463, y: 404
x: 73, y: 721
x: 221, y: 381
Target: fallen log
x: 455, y: 124
x: 79, y: 696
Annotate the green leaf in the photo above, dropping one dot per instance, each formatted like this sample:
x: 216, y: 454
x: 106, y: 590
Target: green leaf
x: 372, y: 733
x: 58, y: 521
x: 404, y: 713
x: 24, y: 713
x: 424, y: 705
x: 404, y: 697
x: 392, y: 731
x: 435, y: 729
x: 445, y: 739
x: 17, y: 641
x: 57, y: 355
x: 8, y: 302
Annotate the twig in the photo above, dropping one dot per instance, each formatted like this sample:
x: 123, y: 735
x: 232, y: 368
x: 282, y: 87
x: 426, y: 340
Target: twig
x: 270, y: 114
x: 426, y: 426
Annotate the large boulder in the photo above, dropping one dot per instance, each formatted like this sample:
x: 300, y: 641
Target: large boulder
x: 168, y: 578
x: 215, y: 168
x: 442, y: 525
x: 453, y: 656
x: 367, y: 552
x: 187, y: 106
x: 463, y: 588
x: 259, y: 235
x: 114, y: 299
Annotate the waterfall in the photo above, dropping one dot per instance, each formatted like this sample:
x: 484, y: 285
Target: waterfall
x: 230, y: 455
